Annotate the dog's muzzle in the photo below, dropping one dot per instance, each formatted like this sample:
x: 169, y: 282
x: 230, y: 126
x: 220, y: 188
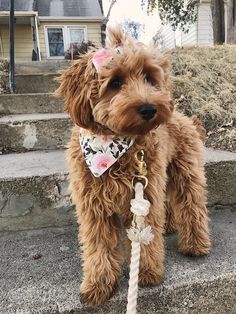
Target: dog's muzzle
x: 147, y: 111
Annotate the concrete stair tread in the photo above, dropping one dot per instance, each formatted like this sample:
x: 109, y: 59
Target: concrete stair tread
x: 20, y: 95
x: 40, y: 272
x: 22, y: 75
x: 36, y: 74
x: 215, y: 155
x: 38, y: 163
x: 32, y: 117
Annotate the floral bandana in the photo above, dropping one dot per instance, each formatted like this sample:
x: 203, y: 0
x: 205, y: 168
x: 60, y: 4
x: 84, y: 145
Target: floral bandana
x: 102, y: 151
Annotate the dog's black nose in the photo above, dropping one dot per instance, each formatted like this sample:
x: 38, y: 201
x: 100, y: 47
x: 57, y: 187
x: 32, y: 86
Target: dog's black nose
x: 147, y: 111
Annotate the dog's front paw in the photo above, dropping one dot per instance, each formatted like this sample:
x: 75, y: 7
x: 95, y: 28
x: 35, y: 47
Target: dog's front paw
x: 97, y: 293
x: 149, y: 277
x: 195, y: 250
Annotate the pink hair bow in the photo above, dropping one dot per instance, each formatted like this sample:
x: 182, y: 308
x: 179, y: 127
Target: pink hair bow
x: 100, y: 58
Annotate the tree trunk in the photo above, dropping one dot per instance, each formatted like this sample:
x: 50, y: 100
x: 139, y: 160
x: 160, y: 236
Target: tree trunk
x: 105, y: 21
x: 231, y: 25
x: 101, y: 6
x: 217, y: 9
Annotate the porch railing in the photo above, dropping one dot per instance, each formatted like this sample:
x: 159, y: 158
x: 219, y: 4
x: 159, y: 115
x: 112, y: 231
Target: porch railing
x: 12, y: 55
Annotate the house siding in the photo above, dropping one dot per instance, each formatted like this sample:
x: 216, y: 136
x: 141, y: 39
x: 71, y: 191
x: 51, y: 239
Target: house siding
x: 23, y: 42
x: 190, y: 38
x: 93, y: 33
x: 200, y: 33
x: 172, y: 39
x: 205, y: 28
x: 168, y: 37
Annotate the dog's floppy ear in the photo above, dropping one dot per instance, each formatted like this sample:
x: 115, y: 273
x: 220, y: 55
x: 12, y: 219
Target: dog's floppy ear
x: 77, y: 87
x: 164, y: 63
x: 115, y: 37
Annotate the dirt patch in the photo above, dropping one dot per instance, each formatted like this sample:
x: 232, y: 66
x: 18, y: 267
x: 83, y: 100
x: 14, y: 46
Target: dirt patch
x: 204, y: 83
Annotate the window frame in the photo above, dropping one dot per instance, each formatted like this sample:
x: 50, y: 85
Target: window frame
x: 65, y: 34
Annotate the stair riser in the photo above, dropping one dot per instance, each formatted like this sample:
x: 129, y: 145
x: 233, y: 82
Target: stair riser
x: 221, y: 180
x: 35, y: 83
x: 35, y: 135
x: 37, y: 202
x: 38, y: 67
x: 32, y: 103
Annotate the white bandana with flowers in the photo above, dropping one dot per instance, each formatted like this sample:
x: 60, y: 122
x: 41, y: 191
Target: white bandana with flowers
x: 102, y: 151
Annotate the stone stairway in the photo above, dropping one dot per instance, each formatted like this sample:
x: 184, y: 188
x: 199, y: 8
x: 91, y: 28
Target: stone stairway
x: 40, y: 267
x: 33, y: 133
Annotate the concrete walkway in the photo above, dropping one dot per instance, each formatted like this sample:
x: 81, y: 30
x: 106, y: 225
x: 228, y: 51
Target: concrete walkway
x: 40, y: 272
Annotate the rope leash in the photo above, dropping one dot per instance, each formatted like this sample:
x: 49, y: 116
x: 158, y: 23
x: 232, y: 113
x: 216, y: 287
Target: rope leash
x: 138, y: 232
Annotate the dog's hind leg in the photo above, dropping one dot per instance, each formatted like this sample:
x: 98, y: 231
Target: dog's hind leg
x: 170, y: 223
x: 99, y: 235
x: 188, y: 200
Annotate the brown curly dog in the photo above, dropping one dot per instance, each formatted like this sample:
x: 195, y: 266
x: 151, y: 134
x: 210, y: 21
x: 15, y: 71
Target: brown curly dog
x: 125, y: 94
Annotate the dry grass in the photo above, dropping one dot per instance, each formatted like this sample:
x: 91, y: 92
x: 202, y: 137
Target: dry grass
x: 204, y: 83
x: 3, y: 72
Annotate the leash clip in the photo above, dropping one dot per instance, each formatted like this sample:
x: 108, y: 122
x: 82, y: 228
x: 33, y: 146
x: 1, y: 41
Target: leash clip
x: 141, y: 169
x: 140, y: 163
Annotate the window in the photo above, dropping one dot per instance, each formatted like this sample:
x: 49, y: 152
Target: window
x: 76, y: 35
x: 55, y: 42
x: 59, y: 38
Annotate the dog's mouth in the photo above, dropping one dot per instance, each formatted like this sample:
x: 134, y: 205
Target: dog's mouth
x: 141, y: 129
x: 139, y: 121
x: 134, y: 127
x: 131, y: 119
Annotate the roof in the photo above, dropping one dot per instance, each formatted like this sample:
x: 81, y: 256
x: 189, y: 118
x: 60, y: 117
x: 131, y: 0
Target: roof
x: 20, y: 5
x: 62, y: 8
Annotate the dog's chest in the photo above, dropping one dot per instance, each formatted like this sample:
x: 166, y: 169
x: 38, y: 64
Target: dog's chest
x: 113, y: 189
x: 117, y: 186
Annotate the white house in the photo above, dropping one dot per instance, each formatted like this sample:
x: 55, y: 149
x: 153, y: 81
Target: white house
x: 199, y: 34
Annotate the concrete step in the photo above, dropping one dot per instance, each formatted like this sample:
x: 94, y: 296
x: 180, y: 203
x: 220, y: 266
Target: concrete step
x: 27, y: 132
x: 29, y: 103
x: 33, y: 188
x: 33, y: 191
x: 35, y: 83
x: 38, y: 67
x: 40, y: 272
x: 221, y: 176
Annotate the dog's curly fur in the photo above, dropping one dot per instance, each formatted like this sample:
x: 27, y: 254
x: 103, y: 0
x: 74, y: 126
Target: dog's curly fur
x: 173, y: 153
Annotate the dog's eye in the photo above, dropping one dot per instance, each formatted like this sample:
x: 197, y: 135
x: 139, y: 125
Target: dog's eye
x: 150, y: 80
x: 116, y: 83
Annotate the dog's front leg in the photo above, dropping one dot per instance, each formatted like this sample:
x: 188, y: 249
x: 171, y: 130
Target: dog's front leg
x: 99, y: 235
x: 152, y: 255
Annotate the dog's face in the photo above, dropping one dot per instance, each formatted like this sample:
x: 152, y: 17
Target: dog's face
x: 126, y: 95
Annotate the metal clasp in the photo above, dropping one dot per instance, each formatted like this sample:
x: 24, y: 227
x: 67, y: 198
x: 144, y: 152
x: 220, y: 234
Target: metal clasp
x: 141, y: 169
